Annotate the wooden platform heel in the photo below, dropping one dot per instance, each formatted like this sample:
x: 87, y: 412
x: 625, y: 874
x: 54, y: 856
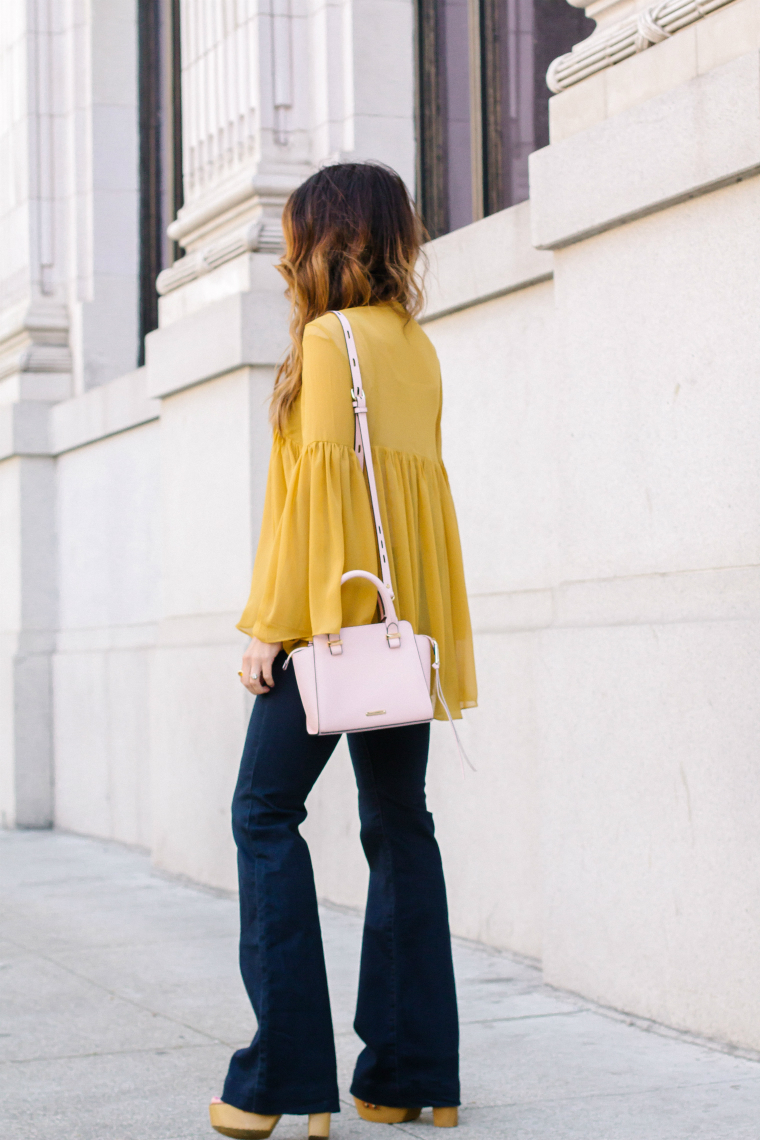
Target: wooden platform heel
x: 384, y: 1114
x: 319, y: 1126
x: 231, y: 1121
x: 445, y: 1117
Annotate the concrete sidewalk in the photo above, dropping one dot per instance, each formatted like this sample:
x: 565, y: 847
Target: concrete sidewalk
x: 121, y: 1002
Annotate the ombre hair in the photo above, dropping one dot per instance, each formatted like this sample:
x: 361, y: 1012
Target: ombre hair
x: 352, y: 237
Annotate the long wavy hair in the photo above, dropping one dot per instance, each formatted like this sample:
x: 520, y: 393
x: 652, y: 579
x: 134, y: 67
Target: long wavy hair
x: 352, y: 237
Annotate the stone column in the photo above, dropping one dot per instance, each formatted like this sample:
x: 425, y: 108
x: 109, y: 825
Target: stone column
x: 244, y: 132
x: 271, y: 89
x: 68, y: 322
x: 223, y: 326
x: 35, y: 369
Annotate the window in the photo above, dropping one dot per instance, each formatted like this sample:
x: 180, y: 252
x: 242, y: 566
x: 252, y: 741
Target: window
x: 482, y: 100
x: 160, y: 148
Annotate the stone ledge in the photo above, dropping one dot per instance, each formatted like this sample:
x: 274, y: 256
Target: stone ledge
x: 20, y: 644
x: 686, y: 142
x: 165, y: 633
x: 486, y: 259
x: 32, y: 427
x: 244, y: 329
x: 730, y: 594
x: 108, y: 638
x: 107, y: 410
x: 199, y: 629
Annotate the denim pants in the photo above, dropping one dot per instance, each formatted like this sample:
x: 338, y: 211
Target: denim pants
x: 406, y: 1011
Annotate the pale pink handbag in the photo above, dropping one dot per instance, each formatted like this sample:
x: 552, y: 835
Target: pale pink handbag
x: 368, y: 676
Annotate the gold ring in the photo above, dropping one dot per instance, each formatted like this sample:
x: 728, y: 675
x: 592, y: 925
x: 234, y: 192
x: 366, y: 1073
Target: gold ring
x: 239, y: 673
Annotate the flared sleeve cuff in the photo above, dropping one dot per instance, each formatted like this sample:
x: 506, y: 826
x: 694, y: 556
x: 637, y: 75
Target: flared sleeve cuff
x: 325, y: 528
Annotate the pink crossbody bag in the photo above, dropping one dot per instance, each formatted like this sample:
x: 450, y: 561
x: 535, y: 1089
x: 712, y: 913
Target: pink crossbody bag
x: 368, y: 676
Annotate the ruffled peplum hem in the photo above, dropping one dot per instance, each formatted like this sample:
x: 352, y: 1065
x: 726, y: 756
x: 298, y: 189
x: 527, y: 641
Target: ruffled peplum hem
x: 318, y: 524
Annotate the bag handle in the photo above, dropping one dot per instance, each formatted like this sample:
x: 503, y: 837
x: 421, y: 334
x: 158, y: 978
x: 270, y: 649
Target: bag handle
x: 362, y: 444
x: 387, y: 608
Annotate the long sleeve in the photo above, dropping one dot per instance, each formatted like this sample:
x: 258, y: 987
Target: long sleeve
x: 317, y: 520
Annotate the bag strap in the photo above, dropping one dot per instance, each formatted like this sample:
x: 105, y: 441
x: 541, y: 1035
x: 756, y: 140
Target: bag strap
x: 362, y: 444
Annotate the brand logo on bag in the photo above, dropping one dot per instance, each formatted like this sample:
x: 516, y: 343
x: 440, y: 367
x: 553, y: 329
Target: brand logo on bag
x: 376, y: 712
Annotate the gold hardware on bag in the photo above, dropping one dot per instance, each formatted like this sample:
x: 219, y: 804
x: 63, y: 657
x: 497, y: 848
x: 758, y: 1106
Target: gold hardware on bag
x: 391, y: 637
x: 377, y: 712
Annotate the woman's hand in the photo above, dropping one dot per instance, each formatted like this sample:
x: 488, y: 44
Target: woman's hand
x: 257, y: 666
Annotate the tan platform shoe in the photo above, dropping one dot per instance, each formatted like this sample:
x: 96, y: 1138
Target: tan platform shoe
x: 384, y: 1114
x: 231, y: 1121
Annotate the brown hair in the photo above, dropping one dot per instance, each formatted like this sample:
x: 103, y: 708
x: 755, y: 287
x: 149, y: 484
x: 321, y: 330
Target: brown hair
x: 352, y: 237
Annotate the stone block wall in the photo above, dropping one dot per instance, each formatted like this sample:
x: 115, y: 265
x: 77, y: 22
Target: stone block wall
x: 599, y: 349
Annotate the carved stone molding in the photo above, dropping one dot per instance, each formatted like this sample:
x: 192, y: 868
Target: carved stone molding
x: 261, y: 236
x: 36, y: 341
x: 248, y: 197
x: 610, y: 45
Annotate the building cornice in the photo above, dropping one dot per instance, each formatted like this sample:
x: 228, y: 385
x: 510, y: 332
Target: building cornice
x: 608, y: 46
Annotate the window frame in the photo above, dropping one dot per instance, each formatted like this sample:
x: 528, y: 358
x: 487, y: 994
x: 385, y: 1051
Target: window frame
x: 160, y: 150
x: 489, y: 130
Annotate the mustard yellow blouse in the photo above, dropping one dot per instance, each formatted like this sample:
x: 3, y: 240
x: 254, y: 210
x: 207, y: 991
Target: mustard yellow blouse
x: 317, y: 521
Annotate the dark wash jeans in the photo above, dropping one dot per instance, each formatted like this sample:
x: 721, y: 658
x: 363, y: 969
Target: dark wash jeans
x: 406, y: 1010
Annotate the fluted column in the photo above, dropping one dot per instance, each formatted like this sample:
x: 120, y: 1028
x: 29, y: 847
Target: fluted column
x: 34, y: 353
x: 271, y: 90
x: 35, y: 369
x: 244, y: 132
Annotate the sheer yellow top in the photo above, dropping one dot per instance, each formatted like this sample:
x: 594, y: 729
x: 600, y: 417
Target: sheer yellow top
x: 317, y: 521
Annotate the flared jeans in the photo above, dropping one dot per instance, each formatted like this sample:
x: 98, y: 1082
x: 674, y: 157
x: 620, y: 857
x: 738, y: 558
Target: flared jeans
x: 406, y: 1011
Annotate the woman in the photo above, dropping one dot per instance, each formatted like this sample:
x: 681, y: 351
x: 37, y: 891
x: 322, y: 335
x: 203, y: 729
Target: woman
x: 352, y: 242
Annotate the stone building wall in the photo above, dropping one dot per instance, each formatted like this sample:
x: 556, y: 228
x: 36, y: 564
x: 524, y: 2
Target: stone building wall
x: 599, y: 346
